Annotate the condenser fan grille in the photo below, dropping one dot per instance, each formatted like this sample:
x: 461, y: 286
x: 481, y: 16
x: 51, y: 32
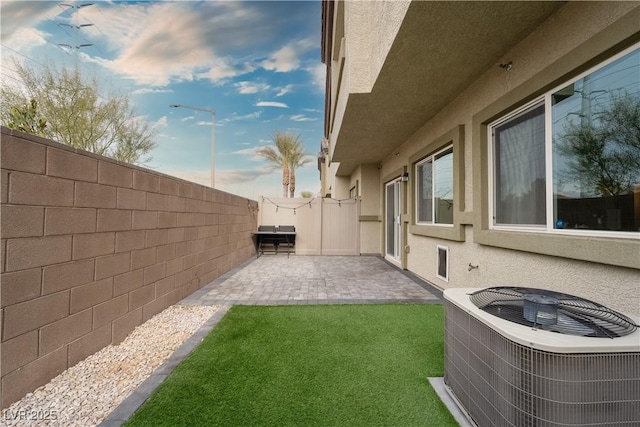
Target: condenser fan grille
x: 553, y: 311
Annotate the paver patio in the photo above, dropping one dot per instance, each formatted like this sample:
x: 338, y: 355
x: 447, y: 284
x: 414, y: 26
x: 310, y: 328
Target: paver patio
x: 280, y: 280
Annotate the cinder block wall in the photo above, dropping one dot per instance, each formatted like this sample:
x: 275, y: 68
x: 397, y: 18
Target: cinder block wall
x: 92, y: 248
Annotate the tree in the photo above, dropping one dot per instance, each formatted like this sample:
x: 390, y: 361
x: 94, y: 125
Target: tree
x: 77, y: 115
x: 306, y: 194
x: 26, y: 119
x: 604, y: 154
x: 288, y: 155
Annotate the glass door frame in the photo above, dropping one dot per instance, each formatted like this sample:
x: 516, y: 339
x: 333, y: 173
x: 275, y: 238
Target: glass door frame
x: 393, y: 221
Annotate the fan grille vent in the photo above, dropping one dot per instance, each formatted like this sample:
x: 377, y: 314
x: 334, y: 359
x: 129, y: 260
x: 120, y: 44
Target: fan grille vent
x: 553, y: 311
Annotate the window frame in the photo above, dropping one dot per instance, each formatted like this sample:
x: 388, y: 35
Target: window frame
x: 453, y: 138
x: 546, y: 100
x: 432, y: 157
x: 611, y: 250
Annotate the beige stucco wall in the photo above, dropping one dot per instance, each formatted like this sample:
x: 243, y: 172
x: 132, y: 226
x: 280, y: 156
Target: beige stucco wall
x: 371, y: 28
x: 565, y: 33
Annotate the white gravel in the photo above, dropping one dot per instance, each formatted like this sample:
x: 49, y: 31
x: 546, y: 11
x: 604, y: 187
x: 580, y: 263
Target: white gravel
x: 86, y: 393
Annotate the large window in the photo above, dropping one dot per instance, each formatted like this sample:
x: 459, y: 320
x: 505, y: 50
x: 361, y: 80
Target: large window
x: 570, y: 161
x: 434, y: 188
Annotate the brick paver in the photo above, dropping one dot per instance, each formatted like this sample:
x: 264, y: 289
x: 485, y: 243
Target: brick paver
x: 280, y: 280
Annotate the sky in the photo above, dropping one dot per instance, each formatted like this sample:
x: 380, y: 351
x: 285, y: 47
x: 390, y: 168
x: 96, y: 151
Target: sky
x: 255, y: 63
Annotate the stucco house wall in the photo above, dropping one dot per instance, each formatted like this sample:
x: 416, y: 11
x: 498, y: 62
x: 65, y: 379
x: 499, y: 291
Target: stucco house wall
x: 572, y: 38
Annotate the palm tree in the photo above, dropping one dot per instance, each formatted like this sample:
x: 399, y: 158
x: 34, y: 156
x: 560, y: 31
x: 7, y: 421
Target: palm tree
x: 297, y: 158
x: 288, y: 155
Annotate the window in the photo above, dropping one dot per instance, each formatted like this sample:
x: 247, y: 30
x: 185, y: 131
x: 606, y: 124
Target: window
x: 434, y: 188
x: 570, y: 161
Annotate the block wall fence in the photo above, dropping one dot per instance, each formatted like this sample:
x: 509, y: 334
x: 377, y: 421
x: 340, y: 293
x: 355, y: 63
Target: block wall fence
x: 92, y: 248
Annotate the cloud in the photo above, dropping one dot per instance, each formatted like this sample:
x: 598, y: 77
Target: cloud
x: 251, y: 87
x: 224, y: 69
x: 272, y: 104
x: 235, y: 117
x: 184, y: 119
x: 302, y: 118
x: 284, y: 90
x: 146, y: 90
x: 235, y: 176
x: 287, y: 57
x: 318, y: 75
x: 156, y: 43
x: 161, y: 123
x: 252, y: 153
x: 17, y: 16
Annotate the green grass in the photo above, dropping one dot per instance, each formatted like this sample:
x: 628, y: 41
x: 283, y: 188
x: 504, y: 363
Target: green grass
x: 347, y: 365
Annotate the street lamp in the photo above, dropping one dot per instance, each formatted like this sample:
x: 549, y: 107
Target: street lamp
x: 213, y: 137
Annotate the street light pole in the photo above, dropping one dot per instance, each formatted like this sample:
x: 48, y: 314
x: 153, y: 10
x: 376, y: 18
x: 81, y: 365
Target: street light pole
x: 213, y: 137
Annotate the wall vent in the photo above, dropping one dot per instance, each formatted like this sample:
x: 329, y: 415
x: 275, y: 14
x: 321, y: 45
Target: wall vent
x: 442, y: 263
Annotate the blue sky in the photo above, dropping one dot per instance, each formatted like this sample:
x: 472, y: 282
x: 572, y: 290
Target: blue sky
x: 257, y: 63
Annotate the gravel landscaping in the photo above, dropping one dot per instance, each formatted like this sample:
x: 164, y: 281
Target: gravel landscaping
x: 86, y: 393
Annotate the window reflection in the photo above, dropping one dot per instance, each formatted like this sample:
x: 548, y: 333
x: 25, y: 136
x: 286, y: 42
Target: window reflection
x: 596, y: 149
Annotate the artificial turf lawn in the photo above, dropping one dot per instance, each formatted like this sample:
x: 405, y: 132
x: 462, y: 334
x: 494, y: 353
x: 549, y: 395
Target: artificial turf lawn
x: 324, y: 365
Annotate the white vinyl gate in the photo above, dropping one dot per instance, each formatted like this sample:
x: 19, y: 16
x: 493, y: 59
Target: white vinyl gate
x: 323, y: 226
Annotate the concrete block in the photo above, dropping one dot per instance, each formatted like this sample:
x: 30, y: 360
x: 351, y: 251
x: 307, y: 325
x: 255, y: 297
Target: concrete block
x: 91, y: 294
x: 143, y: 258
x: 19, y: 351
x: 156, y: 237
x: 154, y: 273
x: 146, y: 181
x: 31, y: 376
x: 89, y: 195
x: 184, y: 219
x: 114, y: 220
x: 175, y: 235
x: 112, y: 265
x: 62, y: 332
x: 145, y: 220
x: 39, y: 190
x: 37, y: 252
x: 125, y: 283
x: 20, y: 155
x: 177, y: 204
x: 85, y: 346
x: 59, y: 277
x: 21, y: 221
x: 166, y: 252
x: 107, y: 311
x: 122, y: 326
x: 165, y: 286
x: 60, y: 221
x: 167, y: 219
x: 4, y: 186
x: 66, y: 164
x: 169, y: 186
x: 116, y: 175
x: 173, y: 297
x: 93, y: 245
x: 157, y: 202
x: 33, y: 314
x: 131, y: 199
x: 130, y: 240
x: 21, y: 286
x: 141, y: 296
x: 154, y: 307
x: 174, y: 266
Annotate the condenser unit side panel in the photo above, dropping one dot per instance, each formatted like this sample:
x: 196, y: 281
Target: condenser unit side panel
x: 500, y: 382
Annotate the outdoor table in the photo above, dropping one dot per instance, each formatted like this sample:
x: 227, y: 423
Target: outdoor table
x: 275, y: 238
